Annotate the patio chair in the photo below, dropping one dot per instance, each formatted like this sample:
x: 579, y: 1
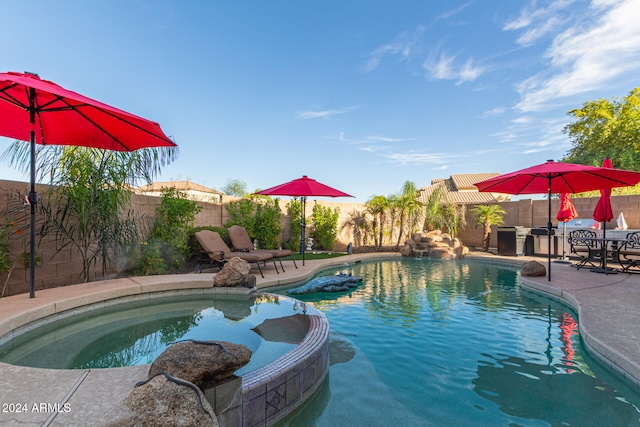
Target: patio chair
x: 628, y: 254
x: 217, y: 250
x: 240, y: 240
x: 584, y: 245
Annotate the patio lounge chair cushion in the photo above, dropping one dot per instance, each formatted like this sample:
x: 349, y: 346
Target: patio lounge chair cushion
x: 217, y: 249
x: 240, y: 240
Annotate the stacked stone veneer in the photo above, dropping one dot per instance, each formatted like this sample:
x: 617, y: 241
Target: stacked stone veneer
x: 434, y: 244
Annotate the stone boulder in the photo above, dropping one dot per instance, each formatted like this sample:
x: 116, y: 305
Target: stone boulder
x: 165, y: 400
x: 201, y: 362
x: 533, y: 269
x: 434, y: 244
x: 235, y: 273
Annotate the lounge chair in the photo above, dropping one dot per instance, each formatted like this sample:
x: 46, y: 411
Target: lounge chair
x: 240, y: 240
x: 217, y: 251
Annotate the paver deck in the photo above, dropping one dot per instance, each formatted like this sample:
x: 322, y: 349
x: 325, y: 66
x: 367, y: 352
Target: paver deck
x: 607, y: 305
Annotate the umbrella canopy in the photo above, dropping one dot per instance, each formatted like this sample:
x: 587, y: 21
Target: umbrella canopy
x: 567, y: 211
x: 603, y: 211
x: 558, y: 177
x: 303, y: 187
x: 41, y: 112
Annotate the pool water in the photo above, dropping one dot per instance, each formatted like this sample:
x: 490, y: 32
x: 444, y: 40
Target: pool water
x: 457, y: 343
x: 136, y: 333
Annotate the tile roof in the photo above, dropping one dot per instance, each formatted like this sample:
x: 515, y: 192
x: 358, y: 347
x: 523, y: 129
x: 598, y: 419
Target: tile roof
x: 460, y: 189
x: 178, y: 185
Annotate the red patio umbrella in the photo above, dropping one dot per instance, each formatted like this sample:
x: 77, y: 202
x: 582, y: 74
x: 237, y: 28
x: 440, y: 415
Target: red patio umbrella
x: 41, y: 112
x: 603, y: 212
x: 567, y: 212
x: 303, y: 187
x: 558, y: 177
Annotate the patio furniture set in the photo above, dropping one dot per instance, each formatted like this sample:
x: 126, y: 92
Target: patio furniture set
x: 595, y: 252
x: 216, y: 252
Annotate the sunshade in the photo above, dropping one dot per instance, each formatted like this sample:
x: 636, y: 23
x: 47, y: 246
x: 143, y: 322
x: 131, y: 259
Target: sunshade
x: 604, y: 213
x: 567, y: 212
x: 41, y: 112
x: 558, y: 177
x: 303, y: 187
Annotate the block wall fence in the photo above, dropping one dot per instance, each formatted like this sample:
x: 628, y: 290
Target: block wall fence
x: 60, y: 268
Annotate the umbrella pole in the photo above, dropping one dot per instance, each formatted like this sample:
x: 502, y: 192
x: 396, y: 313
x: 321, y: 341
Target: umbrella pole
x: 33, y: 196
x: 302, y: 228
x: 549, y: 236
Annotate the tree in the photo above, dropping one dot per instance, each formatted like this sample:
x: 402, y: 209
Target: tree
x: 235, y: 187
x: 442, y: 213
x: 359, y: 225
x: 606, y: 128
x: 377, y: 206
x: 408, y: 206
x: 86, y: 207
x: 487, y: 215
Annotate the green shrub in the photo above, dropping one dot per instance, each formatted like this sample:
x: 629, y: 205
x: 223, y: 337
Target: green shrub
x: 150, y: 261
x: 259, y: 216
x: 325, y: 227
x: 294, y: 211
x: 5, y: 262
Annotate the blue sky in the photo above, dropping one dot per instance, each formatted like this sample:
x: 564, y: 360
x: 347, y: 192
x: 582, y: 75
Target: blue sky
x: 361, y: 95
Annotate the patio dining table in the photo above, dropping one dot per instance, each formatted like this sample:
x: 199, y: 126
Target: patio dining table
x: 616, y: 242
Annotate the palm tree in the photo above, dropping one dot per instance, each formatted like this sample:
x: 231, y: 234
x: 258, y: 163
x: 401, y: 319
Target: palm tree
x: 487, y: 215
x: 359, y: 226
x: 408, y: 206
x: 378, y: 206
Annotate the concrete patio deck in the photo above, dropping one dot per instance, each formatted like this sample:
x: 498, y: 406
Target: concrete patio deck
x: 608, y: 308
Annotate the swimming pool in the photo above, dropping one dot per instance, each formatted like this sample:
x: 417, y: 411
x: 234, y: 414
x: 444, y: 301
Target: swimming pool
x: 137, y: 332
x: 429, y: 342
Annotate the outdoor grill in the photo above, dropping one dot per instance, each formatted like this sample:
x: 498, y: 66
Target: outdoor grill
x: 540, y: 239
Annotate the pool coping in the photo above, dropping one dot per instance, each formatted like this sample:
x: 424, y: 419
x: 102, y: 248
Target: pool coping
x: 607, y: 306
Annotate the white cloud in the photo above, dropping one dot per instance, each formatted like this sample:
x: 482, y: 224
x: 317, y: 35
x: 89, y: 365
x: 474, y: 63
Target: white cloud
x: 444, y: 69
x: 379, y: 138
x: 587, y: 56
x: 538, y: 21
x: 493, y: 112
x: 402, y: 46
x: 323, y: 114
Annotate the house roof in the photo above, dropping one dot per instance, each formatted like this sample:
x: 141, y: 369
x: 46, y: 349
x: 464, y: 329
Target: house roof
x: 460, y: 189
x: 178, y: 185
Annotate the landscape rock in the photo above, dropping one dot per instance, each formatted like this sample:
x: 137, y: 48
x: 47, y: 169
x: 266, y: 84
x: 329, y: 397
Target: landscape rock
x: 434, y: 244
x: 165, y: 400
x: 201, y: 362
x: 533, y: 269
x: 235, y: 273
